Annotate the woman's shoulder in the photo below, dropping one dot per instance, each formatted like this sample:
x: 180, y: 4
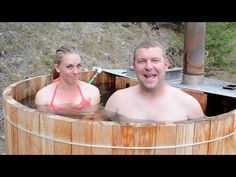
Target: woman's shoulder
x: 46, y: 91
x: 43, y: 95
x: 89, y: 87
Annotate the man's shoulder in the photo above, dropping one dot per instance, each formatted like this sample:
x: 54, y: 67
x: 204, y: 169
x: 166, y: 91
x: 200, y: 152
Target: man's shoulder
x: 187, y: 98
x: 121, y: 95
x: 125, y: 91
x: 181, y: 94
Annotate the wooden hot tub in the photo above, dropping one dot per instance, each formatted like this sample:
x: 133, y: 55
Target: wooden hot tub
x: 28, y: 131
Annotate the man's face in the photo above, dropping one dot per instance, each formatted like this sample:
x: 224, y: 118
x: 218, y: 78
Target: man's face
x: 150, y: 67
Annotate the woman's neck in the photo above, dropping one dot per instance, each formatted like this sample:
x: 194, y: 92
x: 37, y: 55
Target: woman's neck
x: 67, y: 86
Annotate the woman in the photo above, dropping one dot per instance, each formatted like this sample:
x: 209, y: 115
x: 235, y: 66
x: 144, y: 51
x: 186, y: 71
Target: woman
x: 67, y: 93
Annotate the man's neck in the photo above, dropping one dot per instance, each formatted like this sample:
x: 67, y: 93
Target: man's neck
x: 153, y: 92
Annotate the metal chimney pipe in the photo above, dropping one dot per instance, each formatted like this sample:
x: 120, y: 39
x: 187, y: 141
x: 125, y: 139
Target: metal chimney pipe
x: 194, y: 53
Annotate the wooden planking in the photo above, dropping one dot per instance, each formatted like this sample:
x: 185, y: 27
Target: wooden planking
x: 18, y: 92
x: 102, y: 78
x: 7, y: 127
x: 32, y: 87
x: 61, y: 130
x: 133, y: 139
x: 165, y: 136
x: 184, y: 136
x: 105, y: 78
x: 133, y: 82
x: 228, y: 146
x: 57, y: 130
x: 25, y: 89
x: 216, y: 131
x: 36, y: 143
x: 8, y: 138
x: 45, y: 80
x: 24, y: 137
x: 21, y: 90
x: 102, y: 135
x: 48, y: 79
x: 46, y: 130
x: 117, y: 139
x: 82, y: 133
x: 122, y: 82
x: 147, y: 138
x: 86, y: 76
x: 200, y: 96
x: 14, y: 131
x: 234, y: 136
x: 37, y: 82
x: 201, y: 134
x: 29, y: 121
x: 11, y: 131
x: 125, y: 136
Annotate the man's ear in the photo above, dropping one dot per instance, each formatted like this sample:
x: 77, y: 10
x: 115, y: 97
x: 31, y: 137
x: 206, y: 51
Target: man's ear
x: 169, y: 63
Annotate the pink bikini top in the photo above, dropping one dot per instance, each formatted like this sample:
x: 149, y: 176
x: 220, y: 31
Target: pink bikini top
x: 83, y: 104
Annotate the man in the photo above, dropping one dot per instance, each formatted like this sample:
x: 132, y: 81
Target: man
x: 152, y: 100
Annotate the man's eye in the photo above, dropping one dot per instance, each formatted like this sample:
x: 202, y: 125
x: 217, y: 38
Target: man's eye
x: 141, y: 61
x: 69, y: 67
x: 156, y: 60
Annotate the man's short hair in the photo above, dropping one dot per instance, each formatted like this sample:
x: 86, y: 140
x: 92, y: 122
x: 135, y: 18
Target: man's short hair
x: 149, y: 43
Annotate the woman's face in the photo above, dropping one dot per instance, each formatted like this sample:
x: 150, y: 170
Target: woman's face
x: 70, y: 68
